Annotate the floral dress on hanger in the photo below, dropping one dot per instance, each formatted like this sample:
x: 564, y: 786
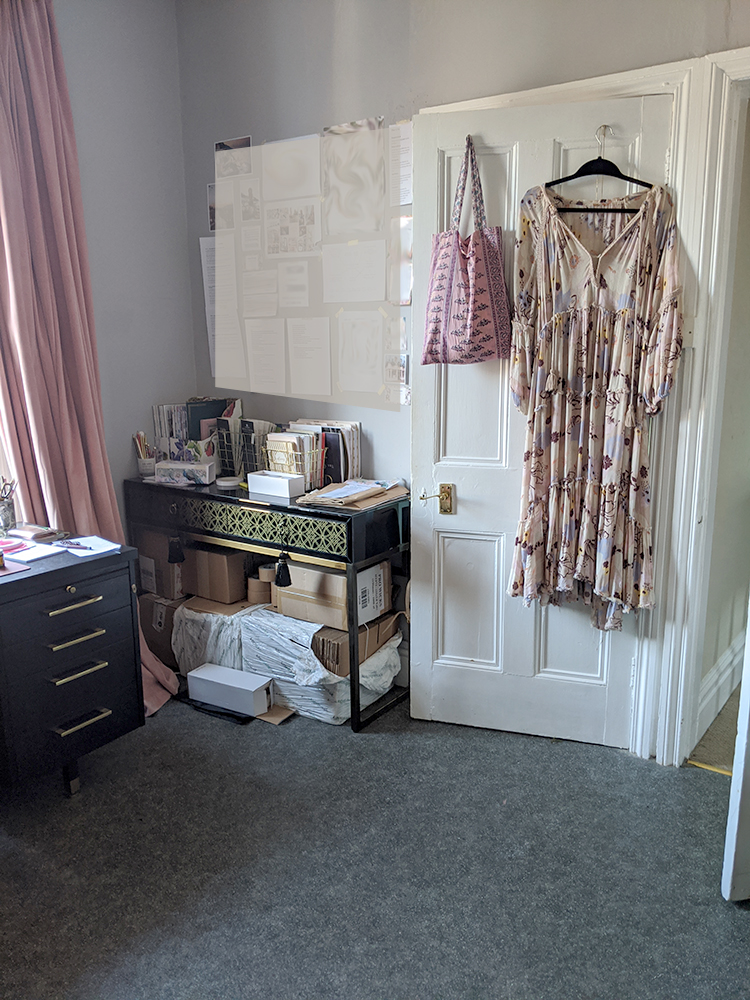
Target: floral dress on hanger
x: 597, y: 334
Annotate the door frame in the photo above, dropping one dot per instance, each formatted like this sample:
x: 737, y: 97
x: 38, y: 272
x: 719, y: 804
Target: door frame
x: 710, y: 95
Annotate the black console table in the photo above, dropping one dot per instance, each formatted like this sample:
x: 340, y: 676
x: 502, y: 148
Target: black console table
x: 344, y: 540
x: 70, y: 666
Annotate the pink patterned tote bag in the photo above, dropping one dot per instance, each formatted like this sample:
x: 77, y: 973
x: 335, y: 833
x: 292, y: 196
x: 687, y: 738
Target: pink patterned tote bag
x: 468, y: 313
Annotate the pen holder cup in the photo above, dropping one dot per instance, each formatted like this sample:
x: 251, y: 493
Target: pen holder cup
x: 7, y: 517
x: 146, y: 467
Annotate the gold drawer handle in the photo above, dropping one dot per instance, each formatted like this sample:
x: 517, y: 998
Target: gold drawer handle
x: 99, y: 665
x: 103, y: 713
x: 72, y: 607
x: 81, y: 638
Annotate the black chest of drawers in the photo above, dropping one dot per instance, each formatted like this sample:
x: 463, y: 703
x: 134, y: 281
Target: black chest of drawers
x: 70, y: 678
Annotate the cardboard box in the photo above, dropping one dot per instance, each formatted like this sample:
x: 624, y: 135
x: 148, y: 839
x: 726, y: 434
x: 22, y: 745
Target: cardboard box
x: 216, y: 573
x: 157, y: 574
x: 319, y: 595
x: 331, y: 645
x: 186, y: 473
x: 277, y: 484
x: 157, y: 616
x: 234, y: 690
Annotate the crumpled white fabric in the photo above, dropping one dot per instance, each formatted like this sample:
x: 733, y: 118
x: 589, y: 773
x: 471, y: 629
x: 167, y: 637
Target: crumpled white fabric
x: 199, y: 637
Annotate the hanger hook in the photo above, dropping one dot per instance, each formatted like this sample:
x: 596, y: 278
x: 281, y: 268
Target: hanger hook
x: 601, y: 140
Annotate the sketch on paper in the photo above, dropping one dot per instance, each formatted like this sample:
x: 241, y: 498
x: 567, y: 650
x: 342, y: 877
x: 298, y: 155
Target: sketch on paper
x: 291, y: 169
x: 292, y: 229
x: 360, y: 351
x: 233, y: 157
x: 250, y: 199
x: 354, y: 182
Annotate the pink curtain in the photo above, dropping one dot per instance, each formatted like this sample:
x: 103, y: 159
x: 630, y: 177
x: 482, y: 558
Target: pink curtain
x: 50, y: 395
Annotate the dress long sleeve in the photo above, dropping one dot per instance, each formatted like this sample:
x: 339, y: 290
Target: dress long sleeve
x: 525, y: 305
x: 663, y: 345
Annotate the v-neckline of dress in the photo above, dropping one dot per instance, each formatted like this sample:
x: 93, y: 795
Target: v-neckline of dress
x: 595, y: 259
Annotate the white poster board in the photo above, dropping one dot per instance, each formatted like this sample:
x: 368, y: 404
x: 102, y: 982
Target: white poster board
x: 313, y: 281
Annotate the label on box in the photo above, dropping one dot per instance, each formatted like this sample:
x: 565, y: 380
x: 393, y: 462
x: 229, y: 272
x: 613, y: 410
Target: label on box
x: 158, y: 617
x: 148, y: 573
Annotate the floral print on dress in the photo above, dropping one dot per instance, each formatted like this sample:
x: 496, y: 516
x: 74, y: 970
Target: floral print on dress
x: 597, y: 335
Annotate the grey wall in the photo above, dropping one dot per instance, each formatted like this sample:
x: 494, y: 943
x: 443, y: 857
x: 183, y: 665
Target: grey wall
x: 275, y: 69
x: 729, y: 581
x: 122, y: 68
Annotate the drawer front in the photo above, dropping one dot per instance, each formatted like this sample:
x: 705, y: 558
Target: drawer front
x: 316, y: 535
x: 56, y: 722
x: 68, y: 647
x: 61, y: 609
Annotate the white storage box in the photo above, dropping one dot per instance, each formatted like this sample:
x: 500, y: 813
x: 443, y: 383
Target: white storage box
x: 186, y: 473
x: 277, y: 484
x: 234, y: 690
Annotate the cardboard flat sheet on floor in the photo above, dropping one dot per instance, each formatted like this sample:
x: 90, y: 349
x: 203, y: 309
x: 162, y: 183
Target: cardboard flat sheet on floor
x: 276, y: 715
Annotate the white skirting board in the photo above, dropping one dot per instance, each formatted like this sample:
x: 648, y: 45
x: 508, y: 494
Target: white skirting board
x: 719, y: 683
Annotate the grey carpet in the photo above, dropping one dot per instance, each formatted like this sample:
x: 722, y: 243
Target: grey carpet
x: 208, y: 861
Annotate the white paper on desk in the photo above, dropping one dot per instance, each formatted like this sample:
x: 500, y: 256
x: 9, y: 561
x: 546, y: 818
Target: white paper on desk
x: 361, y: 351
x: 95, y: 545
x: 309, y: 342
x: 401, y: 164
x: 36, y: 551
x: 354, y: 272
x: 208, y: 267
x: 291, y: 168
x: 265, y: 348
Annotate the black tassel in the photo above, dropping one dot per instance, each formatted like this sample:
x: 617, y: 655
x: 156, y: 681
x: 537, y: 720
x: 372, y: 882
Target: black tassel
x: 283, y: 576
x: 176, y: 553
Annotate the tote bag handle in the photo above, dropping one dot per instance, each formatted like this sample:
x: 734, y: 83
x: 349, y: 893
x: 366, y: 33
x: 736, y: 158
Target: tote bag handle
x: 477, y: 198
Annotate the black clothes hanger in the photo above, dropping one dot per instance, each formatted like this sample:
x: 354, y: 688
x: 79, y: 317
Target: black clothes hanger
x: 599, y: 166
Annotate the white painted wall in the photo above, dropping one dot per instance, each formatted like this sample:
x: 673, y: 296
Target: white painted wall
x: 275, y: 69
x: 122, y: 68
x: 729, y: 586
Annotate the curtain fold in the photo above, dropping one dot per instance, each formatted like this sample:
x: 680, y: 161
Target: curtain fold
x: 50, y: 393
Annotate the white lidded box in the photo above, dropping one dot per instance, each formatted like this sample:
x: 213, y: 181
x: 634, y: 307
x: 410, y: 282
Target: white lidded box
x: 277, y: 484
x: 234, y: 690
x: 186, y: 473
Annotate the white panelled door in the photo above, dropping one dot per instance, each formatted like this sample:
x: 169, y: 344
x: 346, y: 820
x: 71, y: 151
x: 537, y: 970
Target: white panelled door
x: 479, y: 657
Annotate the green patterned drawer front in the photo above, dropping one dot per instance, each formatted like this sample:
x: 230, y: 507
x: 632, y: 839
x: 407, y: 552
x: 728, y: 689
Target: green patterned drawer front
x: 311, y: 534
